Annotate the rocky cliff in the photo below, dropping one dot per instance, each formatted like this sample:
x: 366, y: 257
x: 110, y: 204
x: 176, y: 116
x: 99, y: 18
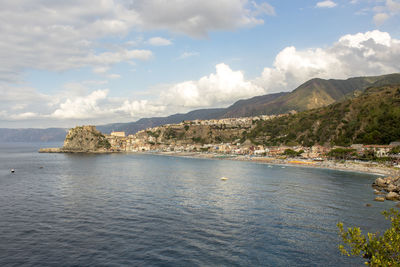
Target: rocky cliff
x: 229, y: 130
x: 85, y: 139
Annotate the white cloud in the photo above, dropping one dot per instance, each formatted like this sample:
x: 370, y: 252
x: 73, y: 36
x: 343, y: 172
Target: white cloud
x: 185, y: 55
x: 82, y: 107
x: 100, y: 69
x: 198, y: 17
x: 140, y: 108
x: 102, y: 61
x: 159, y: 41
x: 113, y: 76
x: 380, y: 18
x: 370, y: 53
x: 263, y: 8
x: 361, y: 54
x: 382, y: 10
x: 222, y: 87
x: 98, y: 104
x: 326, y: 4
x: 63, y: 35
x: 24, y: 116
x: 393, y: 6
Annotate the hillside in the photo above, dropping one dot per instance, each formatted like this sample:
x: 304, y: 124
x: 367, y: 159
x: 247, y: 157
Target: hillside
x: 371, y: 118
x: 314, y: 93
x: 133, y: 127
x: 317, y: 93
x: 241, y: 108
x: 251, y: 107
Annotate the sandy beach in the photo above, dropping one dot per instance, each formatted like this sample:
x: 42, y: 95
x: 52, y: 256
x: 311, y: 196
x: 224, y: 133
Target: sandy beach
x: 351, y: 166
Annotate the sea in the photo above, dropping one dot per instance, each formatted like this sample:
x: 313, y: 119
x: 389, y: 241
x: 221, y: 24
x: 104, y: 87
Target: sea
x: 151, y: 210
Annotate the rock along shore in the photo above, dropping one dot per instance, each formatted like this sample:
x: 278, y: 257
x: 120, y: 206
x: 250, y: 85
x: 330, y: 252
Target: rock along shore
x: 387, y: 188
x: 61, y: 150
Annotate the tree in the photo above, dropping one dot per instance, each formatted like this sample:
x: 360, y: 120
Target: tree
x: 380, y: 250
x: 291, y: 153
x: 395, y: 150
x: 342, y: 153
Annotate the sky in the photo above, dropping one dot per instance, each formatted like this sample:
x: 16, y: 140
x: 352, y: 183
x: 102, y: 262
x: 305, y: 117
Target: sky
x: 68, y: 63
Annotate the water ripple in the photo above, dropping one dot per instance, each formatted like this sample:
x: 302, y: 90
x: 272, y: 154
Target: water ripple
x: 144, y: 210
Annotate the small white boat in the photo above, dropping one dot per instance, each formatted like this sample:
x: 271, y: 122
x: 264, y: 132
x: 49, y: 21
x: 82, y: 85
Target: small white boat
x: 12, y: 170
x: 224, y: 178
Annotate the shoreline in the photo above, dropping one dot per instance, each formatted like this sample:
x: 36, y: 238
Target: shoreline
x: 348, y: 166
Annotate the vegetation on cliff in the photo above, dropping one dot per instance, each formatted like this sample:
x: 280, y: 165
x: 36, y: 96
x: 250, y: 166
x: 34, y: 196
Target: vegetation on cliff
x: 85, y: 139
x: 188, y: 133
x: 371, y: 118
x: 314, y: 93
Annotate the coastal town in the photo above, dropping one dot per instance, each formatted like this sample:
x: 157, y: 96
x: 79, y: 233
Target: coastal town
x: 159, y: 139
x: 225, y: 139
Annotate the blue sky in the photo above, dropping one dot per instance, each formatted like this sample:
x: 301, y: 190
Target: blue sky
x: 96, y: 62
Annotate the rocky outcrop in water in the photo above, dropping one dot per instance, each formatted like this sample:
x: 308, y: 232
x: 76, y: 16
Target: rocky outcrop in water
x: 388, y: 186
x: 82, y: 139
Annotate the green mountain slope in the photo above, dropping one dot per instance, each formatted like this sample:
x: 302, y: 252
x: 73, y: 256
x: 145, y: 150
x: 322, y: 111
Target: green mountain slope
x: 312, y: 94
x: 251, y: 107
x: 371, y: 118
x: 242, y: 108
x: 319, y: 93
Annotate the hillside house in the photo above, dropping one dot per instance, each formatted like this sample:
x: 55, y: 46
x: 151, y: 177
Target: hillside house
x: 380, y: 150
x: 118, y: 134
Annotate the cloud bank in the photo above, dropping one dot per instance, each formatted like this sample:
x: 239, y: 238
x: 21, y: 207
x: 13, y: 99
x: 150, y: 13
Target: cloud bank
x: 64, y: 35
x: 219, y: 88
x: 361, y: 54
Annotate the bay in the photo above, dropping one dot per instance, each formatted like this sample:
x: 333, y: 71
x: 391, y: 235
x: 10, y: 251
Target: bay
x: 149, y: 210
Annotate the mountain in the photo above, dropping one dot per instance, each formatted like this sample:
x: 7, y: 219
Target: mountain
x: 133, y: 127
x: 314, y: 93
x: 242, y: 108
x: 317, y: 93
x: 373, y: 117
x: 251, y: 107
x: 32, y: 135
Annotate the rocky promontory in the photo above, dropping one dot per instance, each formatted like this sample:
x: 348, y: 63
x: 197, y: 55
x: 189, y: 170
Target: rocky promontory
x: 82, y: 139
x: 388, y: 188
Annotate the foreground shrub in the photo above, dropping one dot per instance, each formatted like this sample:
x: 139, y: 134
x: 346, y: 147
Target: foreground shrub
x: 380, y: 250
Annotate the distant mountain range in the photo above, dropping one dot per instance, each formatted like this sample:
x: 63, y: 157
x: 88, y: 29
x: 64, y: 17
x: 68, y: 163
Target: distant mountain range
x: 32, y: 135
x: 372, y: 117
x: 312, y: 94
x: 240, y: 109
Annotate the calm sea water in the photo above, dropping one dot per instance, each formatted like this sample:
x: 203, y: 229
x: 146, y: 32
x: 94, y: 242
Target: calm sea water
x: 147, y: 210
